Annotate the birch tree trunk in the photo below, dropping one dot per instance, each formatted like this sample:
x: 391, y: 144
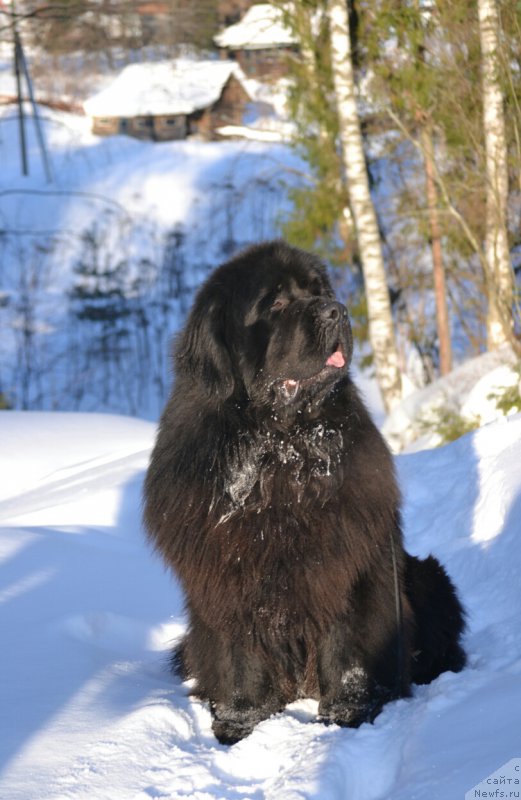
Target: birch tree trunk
x: 499, y: 274
x: 381, y: 331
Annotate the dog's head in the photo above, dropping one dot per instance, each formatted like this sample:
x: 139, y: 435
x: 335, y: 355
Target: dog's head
x: 267, y: 325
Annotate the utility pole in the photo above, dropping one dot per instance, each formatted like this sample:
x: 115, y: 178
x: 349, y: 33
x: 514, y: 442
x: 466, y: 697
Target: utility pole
x: 21, y: 69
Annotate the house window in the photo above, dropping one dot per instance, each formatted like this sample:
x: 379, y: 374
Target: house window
x: 105, y: 123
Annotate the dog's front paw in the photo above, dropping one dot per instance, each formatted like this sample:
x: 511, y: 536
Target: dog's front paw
x: 231, y: 731
x: 234, y: 722
x: 348, y: 715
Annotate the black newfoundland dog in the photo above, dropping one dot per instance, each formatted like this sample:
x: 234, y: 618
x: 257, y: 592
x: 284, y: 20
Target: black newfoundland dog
x: 272, y: 495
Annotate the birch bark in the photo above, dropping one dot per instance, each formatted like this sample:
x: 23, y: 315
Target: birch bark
x: 381, y: 331
x: 499, y: 274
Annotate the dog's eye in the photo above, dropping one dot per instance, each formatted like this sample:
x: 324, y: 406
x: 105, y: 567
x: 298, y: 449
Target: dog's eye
x: 279, y: 304
x: 316, y: 288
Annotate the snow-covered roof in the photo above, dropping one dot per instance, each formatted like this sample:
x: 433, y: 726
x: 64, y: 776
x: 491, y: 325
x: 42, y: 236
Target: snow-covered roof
x: 261, y: 27
x: 181, y: 86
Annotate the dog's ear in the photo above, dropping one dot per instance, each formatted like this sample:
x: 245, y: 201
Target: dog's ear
x: 201, y: 352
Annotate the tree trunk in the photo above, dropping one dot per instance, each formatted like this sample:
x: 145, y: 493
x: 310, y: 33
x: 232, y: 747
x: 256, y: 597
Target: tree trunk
x: 438, y: 271
x: 499, y: 274
x: 381, y: 332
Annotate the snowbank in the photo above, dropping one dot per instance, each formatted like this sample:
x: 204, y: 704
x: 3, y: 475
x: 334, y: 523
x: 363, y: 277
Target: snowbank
x: 465, y: 391
x: 87, y: 615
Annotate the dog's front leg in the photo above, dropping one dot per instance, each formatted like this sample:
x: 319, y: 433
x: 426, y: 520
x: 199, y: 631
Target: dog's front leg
x: 347, y: 695
x: 355, y: 677
x: 244, y: 696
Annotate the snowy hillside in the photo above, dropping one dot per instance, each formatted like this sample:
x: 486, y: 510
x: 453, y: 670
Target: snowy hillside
x: 88, y: 709
x: 97, y: 268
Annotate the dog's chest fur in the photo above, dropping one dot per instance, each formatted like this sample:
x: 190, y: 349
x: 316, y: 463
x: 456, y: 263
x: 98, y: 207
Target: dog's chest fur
x: 277, y: 467
x: 281, y: 490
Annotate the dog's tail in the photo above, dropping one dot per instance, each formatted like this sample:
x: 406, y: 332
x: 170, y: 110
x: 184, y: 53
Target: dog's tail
x: 439, y: 620
x: 178, y: 663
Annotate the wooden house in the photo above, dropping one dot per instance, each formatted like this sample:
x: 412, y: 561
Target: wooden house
x: 170, y: 100
x: 260, y: 42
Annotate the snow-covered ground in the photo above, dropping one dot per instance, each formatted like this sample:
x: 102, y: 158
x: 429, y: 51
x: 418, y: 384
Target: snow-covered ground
x: 88, y: 709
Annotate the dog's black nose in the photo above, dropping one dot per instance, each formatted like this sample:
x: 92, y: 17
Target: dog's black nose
x: 332, y: 311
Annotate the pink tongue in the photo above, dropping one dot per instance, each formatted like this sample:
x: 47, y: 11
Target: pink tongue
x: 336, y: 359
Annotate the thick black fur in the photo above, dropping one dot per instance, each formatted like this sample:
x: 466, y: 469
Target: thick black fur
x: 272, y: 495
